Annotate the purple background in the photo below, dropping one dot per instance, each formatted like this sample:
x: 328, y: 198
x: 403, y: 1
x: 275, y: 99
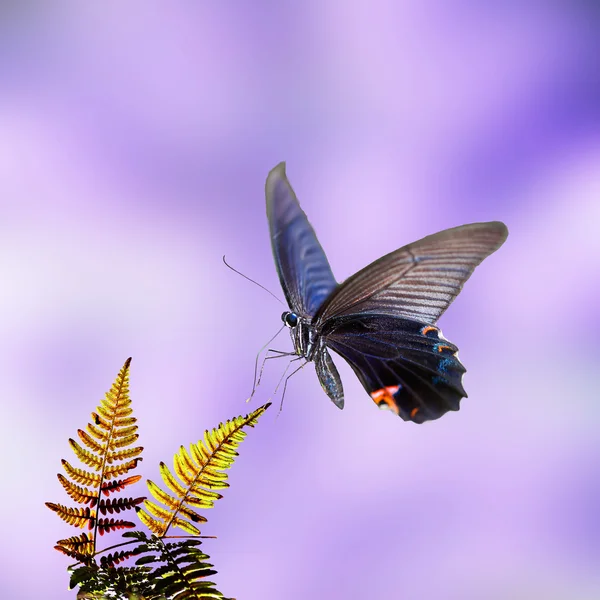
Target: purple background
x: 134, y: 144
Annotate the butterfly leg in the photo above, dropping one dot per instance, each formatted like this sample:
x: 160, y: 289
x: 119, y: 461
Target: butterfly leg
x: 277, y: 354
x: 287, y: 378
x: 257, y: 383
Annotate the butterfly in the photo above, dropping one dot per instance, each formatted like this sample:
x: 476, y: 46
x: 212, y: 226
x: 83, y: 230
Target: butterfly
x: 382, y: 320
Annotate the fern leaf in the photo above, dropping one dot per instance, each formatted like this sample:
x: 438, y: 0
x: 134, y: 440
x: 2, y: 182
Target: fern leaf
x: 99, y: 583
x: 102, y: 423
x: 97, y: 432
x: 108, y: 487
x: 154, y: 525
x: 158, y: 511
x: 124, y: 441
x: 81, y: 476
x: 105, y: 525
x: 79, y: 547
x: 125, y: 421
x: 85, y: 456
x: 117, y: 470
x: 90, y: 442
x: 124, y: 431
x: 197, y: 473
x: 180, y: 570
x: 78, y: 517
x: 82, y: 495
x: 106, y: 449
x: 111, y: 457
x: 114, y: 558
x: 117, y: 505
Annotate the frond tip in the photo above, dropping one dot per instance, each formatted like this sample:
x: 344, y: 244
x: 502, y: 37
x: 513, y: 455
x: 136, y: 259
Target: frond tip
x: 197, y: 474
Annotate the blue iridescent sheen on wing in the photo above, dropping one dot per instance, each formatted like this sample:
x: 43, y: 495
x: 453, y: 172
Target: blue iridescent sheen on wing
x: 404, y: 365
x: 302, y: 266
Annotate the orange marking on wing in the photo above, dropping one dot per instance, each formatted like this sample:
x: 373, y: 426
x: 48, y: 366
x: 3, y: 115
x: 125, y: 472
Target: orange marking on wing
x: 427, y: 329
x: 414, y: 411
x: 441, y: 348
x: 384, y: 398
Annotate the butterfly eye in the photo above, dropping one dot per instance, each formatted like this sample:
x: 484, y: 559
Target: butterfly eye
x: 290, y: 319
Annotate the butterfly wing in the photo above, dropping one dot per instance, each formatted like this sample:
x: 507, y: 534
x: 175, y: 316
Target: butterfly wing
x: 381, y: 320
x: 405, y: 366
x: 303, y: 269
x: 417, y: 281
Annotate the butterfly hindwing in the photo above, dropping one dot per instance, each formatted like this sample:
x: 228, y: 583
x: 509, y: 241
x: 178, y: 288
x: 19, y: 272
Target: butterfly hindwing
x: 302, y: 266
x: 405, y: 366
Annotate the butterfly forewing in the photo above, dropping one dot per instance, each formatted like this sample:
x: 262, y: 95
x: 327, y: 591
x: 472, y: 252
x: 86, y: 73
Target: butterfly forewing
x: 302, y: 266
x: 417, y: 281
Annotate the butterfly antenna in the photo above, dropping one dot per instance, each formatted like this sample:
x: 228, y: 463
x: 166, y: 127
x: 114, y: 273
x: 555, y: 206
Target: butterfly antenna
x: 252, y: 280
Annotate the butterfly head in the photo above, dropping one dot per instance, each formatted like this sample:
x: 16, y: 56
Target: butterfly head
x: 290, y: 319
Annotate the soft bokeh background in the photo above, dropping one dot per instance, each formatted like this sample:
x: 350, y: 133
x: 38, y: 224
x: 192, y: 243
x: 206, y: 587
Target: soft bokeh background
x: 134, y: 143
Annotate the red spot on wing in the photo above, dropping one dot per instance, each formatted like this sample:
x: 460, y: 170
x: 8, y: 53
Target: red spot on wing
x: 384, y: 398
x: 428, y: 329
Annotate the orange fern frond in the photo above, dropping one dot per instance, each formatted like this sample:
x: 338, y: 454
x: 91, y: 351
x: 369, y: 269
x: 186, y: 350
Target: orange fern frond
x: 106, y: 449
x: 79, y: 494
x: 197, y: 473
x: 108, y: 487
x: 78, y: 517
x: 117, y: 505
x: 105, y: 525
x: 79, y: 547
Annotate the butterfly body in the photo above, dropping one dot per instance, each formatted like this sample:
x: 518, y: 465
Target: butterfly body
x: 382, y: 320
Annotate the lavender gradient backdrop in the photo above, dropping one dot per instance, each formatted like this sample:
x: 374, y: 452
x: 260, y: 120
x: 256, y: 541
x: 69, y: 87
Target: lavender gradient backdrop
x: 135, y: 139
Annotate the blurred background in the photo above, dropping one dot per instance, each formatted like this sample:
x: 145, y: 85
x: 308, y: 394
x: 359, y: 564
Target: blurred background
x: 135, y: 139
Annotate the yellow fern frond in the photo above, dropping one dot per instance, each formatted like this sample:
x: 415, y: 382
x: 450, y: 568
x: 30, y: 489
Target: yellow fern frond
x: 154, y: 525
x: 86, y: 457
x: 117, y: 470
x: 90, y: 442
x: 107, y: 451
x: 197, y: 473
x: 111, y: 457
x: 81, y: 476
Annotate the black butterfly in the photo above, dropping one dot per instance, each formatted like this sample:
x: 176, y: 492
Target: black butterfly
x: 382, y: 319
